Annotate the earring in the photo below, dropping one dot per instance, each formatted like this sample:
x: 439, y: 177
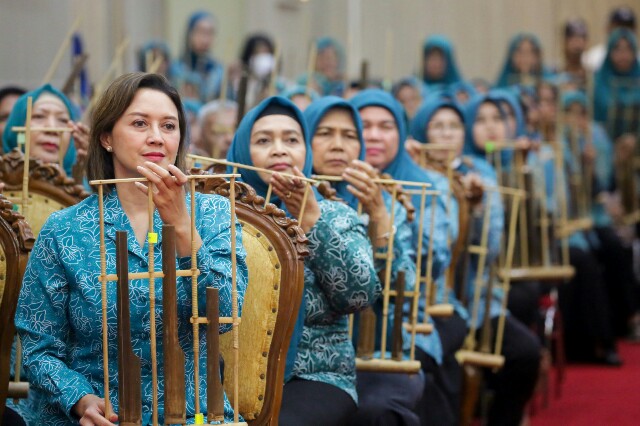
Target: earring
x: 109, y: 149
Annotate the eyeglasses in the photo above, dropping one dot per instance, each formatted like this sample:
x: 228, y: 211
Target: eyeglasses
x: 442, y: 127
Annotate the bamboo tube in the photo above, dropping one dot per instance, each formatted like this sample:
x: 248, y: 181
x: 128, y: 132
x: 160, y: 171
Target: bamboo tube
x: 448, y: 272
x: 506, y: 280
x: 129, y: 368
x: 105, y: 335
x: 268, y: 196
x: 416, y: 291
x: 305, y: 197
x: 247, y: 167
x: 429, y: 293
x: 524, y: 231
x: 175, y: 410
x: 396, y: 337
x: 215, y: 391
x: 61, y: 50
x: 387, y: 279
x: 223, y: 86
x: 544, y: 223
x: 194, y: 299
x: 100, y: 182
x: 366, y: 333
x: 234, y: 297
x: 23, y: 129
x: 381, y: 181
x: 388, y: 59
x: 152, y: 309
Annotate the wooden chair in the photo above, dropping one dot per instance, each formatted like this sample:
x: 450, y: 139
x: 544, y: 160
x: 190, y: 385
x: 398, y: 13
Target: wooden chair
x: 49, y: 188
x: 275, y: 248
x: 16, y: 240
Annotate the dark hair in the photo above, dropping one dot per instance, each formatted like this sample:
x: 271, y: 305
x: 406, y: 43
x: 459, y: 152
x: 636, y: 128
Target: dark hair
x: 575, y: 28
x: 112, y: 105
x: 250, y: 45
x: 11, y: 91
x: 623, y: 17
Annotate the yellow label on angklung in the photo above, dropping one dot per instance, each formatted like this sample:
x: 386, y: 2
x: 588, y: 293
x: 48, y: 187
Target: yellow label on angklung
x: 199, y: 419
x: 153, y: 237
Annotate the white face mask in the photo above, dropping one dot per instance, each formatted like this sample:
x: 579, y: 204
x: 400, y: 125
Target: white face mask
x: 262, y: 64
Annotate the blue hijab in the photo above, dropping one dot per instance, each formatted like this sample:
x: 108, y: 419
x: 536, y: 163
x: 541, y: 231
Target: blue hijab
x: 402, y: 167
x: 18, y: 117
x: 298, y: 90
x: 605, y: 92
x: 418, y: 126
x: 326, y: 86
x: 470, y: 115
x: 451, y: 73
x: 239, y: 152
x: 461, y: 86
x: 511, y: 98
x: 509, y: 70
x: 193, y: 60
x: 314, y: 114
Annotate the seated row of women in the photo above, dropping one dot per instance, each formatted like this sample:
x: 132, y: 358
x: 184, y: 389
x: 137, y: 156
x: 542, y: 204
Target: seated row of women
x: 138, y: 129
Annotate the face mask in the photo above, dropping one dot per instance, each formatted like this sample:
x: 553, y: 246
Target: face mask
x: 262, y: 64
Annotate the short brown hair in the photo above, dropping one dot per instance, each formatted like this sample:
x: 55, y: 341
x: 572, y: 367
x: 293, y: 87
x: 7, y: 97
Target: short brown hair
x: 112, y: 105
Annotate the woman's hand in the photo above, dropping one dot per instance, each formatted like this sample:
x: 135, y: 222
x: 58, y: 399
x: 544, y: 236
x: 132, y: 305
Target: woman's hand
x: 624, y: 148
x: 168, y: 197
x: 291, y: 192
x: 589, y: 154
x: 473, y: 188
x: 91, y: 411
x: 360, y: 177
x: 413, y: 148
x: 80, y: 134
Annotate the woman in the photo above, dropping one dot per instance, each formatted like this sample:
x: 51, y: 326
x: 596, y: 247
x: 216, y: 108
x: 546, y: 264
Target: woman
x: 301, y: 96
x: 593, y: 148
x: 138, y: 131
x: 328, y: 74
x: 439, y: 69
x: 523, y: 65
x: 196, y: 62
x: 339, y: 277
x: 384, y: 135
x: 617, y: 88
x: 51, y: 108
x: 514, y: 383
x: 338, y: 150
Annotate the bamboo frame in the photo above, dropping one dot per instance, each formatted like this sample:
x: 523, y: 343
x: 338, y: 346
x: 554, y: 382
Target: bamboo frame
x: 311, y: 67
x: 151, y: 274
x: 382, y: 363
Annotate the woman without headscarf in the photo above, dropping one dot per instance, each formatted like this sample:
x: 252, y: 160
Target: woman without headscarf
x: 384, y: 134
x: 51, y: 108
x: 138, y: 130
x: 338, y: 150
x: 595, y: 148
x: 328, y: 74
x: 523, y: 65
x: 340, y: 277
x: 196, y: 66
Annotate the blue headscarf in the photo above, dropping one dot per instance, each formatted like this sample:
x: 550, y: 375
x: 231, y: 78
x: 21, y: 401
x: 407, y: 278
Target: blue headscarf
x: 191, y: 58
x: 605, y: 92
x: 461, y: 86
x: 18, y: 117
x: 418, y: 126
x: 470, y: 115
x: 451, y: 73
x: 152, y: 46
x: 298, y: 90
x: 402, y: 167
x: 509, y: 70
x: 239, y: 152
x: 511, y: 98
x: 326, y: 86
x: 314, y: 114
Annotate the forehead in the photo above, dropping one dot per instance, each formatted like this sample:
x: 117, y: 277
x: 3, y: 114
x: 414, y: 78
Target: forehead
x: 50, y: 101
x: 488, y: 108
x: 276, y: 123
x: 153, y: 100
x: 376, y: 114
x: 337, y: 116
x: 445, y: 113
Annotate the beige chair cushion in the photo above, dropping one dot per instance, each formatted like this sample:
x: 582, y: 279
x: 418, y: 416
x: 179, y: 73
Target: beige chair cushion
x: 259, y: 314
x: 38, y: 210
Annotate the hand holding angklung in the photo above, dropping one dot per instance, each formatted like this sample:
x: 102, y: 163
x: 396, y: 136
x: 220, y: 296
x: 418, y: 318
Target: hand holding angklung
x: 80, y: 134
x: 360, y: 177
x: 291, y: 192
x: 91, y: 410
x: 168, y: 198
